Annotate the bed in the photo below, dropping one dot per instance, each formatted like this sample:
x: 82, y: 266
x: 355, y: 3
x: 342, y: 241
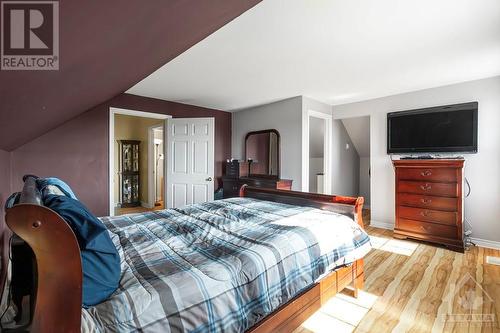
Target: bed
x: 258, y: 263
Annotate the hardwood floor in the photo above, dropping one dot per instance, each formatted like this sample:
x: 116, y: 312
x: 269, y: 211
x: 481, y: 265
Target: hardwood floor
x: 139, y: 209
x: 414, y: 287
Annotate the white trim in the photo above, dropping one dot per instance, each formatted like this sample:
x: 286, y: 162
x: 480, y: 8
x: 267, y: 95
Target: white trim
x: 111, y: 143
x: 151, y: 165
x: 146, y: 205
x: 135, y: 113
x: 327, y: 154
x: 489, y: 244
x: 382, y: 225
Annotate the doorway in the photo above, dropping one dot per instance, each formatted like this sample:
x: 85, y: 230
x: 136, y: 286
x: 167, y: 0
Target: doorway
x: 358, y: 130
x: 316, y: 155
x: 156, y: 169
x: 316, y: 158
x: 133, y: 156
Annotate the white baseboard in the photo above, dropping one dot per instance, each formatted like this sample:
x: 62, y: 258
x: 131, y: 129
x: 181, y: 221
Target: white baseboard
x: 486, y: 243
x: 478, y: 241
x: 381, y: 225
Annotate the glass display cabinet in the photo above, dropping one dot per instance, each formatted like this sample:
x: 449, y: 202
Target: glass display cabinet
x: 129, y: 173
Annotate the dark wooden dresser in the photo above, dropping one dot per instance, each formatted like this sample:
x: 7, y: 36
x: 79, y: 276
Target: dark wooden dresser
x: 232, y: 185
x: 429, y: 201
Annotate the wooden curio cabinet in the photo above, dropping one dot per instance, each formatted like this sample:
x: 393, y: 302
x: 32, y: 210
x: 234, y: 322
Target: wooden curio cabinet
x: 128, y: 160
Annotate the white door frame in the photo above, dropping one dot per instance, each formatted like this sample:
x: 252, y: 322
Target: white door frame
x: 151, y: 165
x: 327, y: 151
x: 111, y: 156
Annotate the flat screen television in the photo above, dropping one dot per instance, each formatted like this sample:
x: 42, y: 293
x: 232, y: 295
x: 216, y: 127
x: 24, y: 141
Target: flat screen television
x: 450, y: 128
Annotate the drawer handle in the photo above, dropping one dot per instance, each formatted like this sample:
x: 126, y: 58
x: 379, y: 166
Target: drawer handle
x: 424, y: 228
x: 426, y: 201
x: 425, y: 213
x: 426, y: 187
x: 426, y: 173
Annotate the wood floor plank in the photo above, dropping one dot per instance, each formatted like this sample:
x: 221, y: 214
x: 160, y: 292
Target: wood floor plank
x: 404, y: 290
x: 392, y: 286
x: 491, y: 285
x: 430, y: 290
x: 425, y: 314
x: 447, y: 300
x: 409, y: 312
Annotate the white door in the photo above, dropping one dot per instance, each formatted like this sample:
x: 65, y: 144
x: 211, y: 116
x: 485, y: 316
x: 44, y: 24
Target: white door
x: 190, y: 161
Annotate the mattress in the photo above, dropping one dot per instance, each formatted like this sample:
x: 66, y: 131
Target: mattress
x: 220, y: 266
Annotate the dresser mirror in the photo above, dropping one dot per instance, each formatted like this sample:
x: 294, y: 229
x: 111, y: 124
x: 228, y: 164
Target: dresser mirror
x: 262, y: 151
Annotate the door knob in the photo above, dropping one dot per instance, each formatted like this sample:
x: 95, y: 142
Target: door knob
x: 209, y: 179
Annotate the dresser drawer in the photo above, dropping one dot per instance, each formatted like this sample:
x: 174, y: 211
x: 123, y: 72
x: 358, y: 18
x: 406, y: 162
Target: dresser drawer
x: 427, y: 201
x: 438, y: 189
x: 429, y: 215
x: 259, y: 182
x: 426, y: 228
x: 231, y: 188
x: 444, y: 175
x: 345, y: 276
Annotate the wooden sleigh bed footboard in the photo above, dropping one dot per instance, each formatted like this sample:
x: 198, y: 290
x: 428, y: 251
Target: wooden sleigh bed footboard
x: 293, y: 313
x: 58, y: 296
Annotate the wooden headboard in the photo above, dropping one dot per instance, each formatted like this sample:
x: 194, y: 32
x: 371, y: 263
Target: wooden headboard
x: 59, y: 269
x: 349, y: 206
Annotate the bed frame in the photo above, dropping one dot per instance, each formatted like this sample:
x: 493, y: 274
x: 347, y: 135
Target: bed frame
x: 58, y: 277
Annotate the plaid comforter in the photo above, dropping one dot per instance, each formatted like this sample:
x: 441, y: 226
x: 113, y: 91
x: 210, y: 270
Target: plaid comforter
x: 219, y: 266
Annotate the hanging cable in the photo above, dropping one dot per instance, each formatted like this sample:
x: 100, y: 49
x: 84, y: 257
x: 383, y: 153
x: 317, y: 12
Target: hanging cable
x: 468, y: 187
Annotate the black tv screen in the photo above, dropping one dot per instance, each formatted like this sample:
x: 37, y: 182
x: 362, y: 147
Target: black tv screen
x: 450, y: 128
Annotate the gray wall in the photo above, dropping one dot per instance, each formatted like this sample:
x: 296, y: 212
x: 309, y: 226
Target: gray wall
x: 287, y: 116
x: 284, y: 116
x: 364, y: 179
x: 358, y: 129
x: 482, y: 208
x: 345, y: 173
x: 316, y: 137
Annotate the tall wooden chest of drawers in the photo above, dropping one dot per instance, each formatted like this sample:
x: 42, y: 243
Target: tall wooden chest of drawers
x: 429, y: 201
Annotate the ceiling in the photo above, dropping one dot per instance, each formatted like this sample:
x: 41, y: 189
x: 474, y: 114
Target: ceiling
x: 333, y: 51
x: 358, y: 129
x: 105, y: 48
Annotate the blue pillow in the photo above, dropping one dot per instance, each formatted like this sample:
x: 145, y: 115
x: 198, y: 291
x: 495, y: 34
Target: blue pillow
x: 44, y: 185
x: 100, y: 259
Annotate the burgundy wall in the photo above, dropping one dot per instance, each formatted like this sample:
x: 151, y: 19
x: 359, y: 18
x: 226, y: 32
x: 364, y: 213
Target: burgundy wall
x: 77, y: 151
x: 5, y: 190
x: 105, y: 48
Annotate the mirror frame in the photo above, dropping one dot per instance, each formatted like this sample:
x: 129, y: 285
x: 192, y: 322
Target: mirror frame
x: 279, y: 153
